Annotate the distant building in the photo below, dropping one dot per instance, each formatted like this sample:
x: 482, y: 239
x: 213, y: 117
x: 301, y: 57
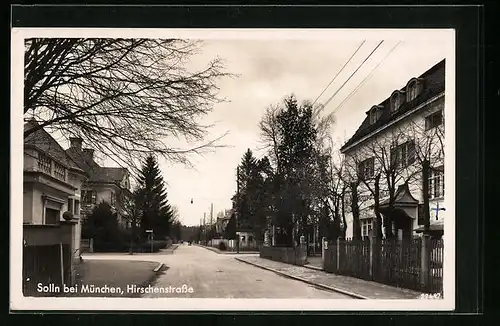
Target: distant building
x: 420, y: 105
x: 104, y: 184
x: 222, y: 221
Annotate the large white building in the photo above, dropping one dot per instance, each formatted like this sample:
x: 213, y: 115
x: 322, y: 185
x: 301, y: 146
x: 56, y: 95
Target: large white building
x: 392, y: 142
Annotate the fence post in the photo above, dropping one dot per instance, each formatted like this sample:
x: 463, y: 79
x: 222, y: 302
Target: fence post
x: 425, y: 261
x: 338, y: 253
x: 323, y: 248
x: 372, y: 254
x: 302, y: 251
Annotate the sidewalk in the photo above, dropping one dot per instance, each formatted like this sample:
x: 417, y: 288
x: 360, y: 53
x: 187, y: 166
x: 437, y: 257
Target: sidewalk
x: 351, y: 286
x: 115, y: 273
x: 166, y: 251
x: 226, y: 252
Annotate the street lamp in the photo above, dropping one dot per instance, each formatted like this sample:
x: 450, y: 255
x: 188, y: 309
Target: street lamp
x: 236, y: 208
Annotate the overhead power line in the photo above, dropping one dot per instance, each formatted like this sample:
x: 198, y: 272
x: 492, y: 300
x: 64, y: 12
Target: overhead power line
x: 366, y: 78
x: 338, y: 73
x: 362, y: 63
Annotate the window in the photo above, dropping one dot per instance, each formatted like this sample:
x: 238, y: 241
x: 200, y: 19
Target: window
x: 89, y: 196
x: 243, y: 238
x: 59, y: 171
x: 51, y: 216
x: 250, y: 238
x: 374, y: 114
x: 413, y: 90
x: 70, y: 205
x: 366, y: 168
x: 77, y: 207
x: 396, y: 101
x: 434, y: 120
x: 366, y: 227
x: 44, y: 163
x: 403, y: 155
x: 436, y: 182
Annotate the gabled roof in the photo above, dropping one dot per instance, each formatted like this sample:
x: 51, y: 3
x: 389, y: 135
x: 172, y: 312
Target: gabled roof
x: 96, y: 172
x: 44, y: 142
x: 433, y: 84
x: 403, y: 197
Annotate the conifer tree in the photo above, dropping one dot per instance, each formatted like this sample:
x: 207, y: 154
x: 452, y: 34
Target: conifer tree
x: 157, y: 213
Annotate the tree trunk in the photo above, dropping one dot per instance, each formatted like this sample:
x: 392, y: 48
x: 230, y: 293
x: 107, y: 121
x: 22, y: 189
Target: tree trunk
x: 356, y: 232
x: 425, y: 190
x: 344, y: 222
x: 377, y: 229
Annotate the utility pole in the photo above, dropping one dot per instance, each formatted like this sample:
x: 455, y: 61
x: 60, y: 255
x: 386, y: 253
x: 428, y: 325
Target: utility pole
x: 204, y: 229
x: 236, y: 208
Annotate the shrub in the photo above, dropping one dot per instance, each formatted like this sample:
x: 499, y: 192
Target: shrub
x: 222, y: 246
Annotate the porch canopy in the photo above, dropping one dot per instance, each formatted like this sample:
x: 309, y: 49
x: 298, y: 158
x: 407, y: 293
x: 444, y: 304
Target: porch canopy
x: 403, y: 210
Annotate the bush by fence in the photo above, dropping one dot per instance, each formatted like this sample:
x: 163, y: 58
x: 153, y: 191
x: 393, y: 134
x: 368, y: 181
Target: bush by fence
x: 289, y: 255
x: 397, y: 263
x: 143, y: 247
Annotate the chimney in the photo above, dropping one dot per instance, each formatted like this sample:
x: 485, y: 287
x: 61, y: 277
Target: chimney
x: 89, y: 153
x: 76, y: 143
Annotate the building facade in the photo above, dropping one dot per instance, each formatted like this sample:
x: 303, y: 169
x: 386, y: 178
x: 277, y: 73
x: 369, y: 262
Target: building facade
x: 387, y: 156
x: 52, y: 184
x: 104, y: 184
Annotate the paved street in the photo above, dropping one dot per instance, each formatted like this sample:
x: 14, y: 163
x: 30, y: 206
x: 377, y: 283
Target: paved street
x: 213, y: 275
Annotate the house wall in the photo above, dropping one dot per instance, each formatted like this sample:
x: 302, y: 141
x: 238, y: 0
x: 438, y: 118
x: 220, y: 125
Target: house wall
x: 244, y: 239
x: 103, y: 194
x: 76, y: 180
x: 406, y: 129
x: 27, y: 203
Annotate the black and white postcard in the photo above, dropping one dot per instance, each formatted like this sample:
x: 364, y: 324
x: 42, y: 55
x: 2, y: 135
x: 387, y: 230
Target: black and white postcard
x: 224, y: 169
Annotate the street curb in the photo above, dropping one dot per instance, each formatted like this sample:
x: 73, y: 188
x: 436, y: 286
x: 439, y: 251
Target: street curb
x: 314, y: 267
x: 217, y: 251
x: 157, y: 268
x: 327, y: 287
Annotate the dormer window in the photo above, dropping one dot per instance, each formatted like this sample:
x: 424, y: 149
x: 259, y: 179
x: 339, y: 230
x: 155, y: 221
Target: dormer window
x: 375, y: 114
x: 413, y: 89
x: 396, y: 100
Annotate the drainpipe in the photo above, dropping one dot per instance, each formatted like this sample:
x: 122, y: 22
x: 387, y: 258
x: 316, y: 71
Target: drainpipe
x: 62, y: 262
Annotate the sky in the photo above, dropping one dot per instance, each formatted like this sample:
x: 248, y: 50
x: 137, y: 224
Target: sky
x: 267, y: 72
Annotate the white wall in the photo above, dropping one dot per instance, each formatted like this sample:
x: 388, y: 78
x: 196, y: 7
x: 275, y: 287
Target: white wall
x: 402, y: 131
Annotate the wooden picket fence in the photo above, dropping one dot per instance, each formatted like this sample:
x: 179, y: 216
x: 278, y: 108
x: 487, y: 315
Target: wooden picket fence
x: 396, y: 263
x: 42, y: 264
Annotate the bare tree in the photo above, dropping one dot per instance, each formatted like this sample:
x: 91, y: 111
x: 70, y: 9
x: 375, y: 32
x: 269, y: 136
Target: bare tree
x: 348, y: 174
x: 126, y: 97
x: 270, y: 134
x: 429, y: 152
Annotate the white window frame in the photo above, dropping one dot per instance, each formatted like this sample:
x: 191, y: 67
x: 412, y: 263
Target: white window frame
x: 436, y: 182
x: 366, y: 227
x: 428, y: 120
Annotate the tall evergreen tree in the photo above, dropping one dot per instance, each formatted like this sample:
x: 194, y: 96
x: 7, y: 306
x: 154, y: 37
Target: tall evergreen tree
x: 297, y: 136
x: 157, y: 213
